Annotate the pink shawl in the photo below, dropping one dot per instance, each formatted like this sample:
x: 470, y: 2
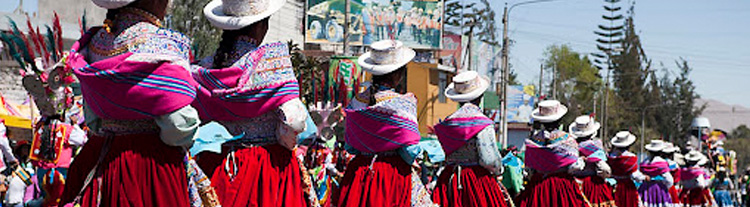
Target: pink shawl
x: 388, y: 125
x: 551, y: 157
x: 258, y: 82
x: 654, y: 168
x: 691, y: 173
x: 461, y: 126
x: 122, y: 88
x: 592, y: 149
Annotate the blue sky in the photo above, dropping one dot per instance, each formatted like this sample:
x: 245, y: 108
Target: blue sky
x: 711, y: 35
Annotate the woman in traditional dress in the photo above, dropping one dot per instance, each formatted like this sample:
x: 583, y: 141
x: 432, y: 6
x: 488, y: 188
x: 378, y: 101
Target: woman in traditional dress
x: 382, y: 132
x: 552, y: 154
x: 596, y: 189
x: 693, y: 182
x: 654, y: 190
x: 468, y: 139
x: 722, y: 189
x: 252, y: 91
x: 624, y: 166
x: 674, y: 169
x: 137, y: 90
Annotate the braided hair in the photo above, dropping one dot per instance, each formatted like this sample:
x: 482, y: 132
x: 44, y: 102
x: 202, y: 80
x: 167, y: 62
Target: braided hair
x: 228, y: 40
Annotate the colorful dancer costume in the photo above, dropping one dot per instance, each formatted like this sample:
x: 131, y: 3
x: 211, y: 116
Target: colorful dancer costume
x: 137, y: 90
x: 596, y: 189
x: 382, y: 132
x: 624, y: 166
x: 468, y: 139
x: 552, y: 154
x: 694, y: 182
x: 655, y: 192
x: 256, y: 96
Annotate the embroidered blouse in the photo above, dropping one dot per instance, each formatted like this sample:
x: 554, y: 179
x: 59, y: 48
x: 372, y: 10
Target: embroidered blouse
x: 478, y: 150
x: 275, y: 126
x: 148, y: 44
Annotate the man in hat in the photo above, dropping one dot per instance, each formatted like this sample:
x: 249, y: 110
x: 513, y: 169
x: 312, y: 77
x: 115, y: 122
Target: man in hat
x: 468, y: 139
x: 693, y: 181
x: 137, y: 89
x: 624, y: 166
x: 251, y: 89
x: 553, y: 155
x: 382, y: 133
x: 655, y: 191
x: 596, y: 189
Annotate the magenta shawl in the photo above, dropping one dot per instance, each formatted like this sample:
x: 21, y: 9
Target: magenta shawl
x: 691, y: 173
x: 654, y: 168
x: 388, y: 125
x: 122, y: 87
x: 461, y: 126
x: 592, y: 149
x: 258, y: 82
x: 562, y: 151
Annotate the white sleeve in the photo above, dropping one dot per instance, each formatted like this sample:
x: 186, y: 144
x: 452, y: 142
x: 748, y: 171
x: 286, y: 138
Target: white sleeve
x: 489, y: 156
x: 603, y: 169
x: 292, y: 115
x: 7, y: 151
x: 180, y: 127
x: 638, y: 176
x: 701, y: 181
x: 77, y: 136
x: 577, y: 166
x: 668, y: 179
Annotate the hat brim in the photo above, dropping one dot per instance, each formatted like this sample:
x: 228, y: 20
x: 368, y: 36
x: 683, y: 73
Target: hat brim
x: 452, y: 94
x: 112, y: 4
x: 583, y: 133
x: 625, y: 143
x: 215, y: 15
x: 653, y: 148
x: 365, y: 61
x: 549, y: 118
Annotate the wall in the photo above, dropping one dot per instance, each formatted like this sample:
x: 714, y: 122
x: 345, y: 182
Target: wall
x: 287, y: 24
x: 70, y: 11
x: 423, y: 80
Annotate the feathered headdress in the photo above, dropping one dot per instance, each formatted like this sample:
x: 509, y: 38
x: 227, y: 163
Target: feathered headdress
x: 41, y: 58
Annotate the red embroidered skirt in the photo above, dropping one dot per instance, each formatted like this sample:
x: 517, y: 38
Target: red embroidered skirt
x: 695, y: 197
x: 626, y: 194
x: 598, y: 192
x: 138, y: 170
x: 267, y: 176
x: 479, y: 188
x: 387, y: 184
x: 553, y: 190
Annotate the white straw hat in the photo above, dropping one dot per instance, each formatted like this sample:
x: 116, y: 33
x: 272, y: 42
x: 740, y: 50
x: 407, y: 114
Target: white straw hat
x: 693, y: 156
x: 623, y: 139
x: 584, y: 126
x: 655, y: 145
x: 386, y: 56
x: 112, y: 4
x: 236, y: 14
x: 549, y: 111
x: 467, y: 86
x: 670, y: 148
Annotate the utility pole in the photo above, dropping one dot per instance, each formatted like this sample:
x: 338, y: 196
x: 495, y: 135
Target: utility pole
x: 346, y: 27
x: 541, y: 76
x: 504, y: 100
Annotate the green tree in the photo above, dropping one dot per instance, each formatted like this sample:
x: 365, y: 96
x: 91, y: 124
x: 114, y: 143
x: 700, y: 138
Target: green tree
x: 609, y: 35
x: 742, y: 132
x: 629, y: 77
x: 576, y: 80
x: 476, y: 20
x: 674, y: 103
x: 187, y: 17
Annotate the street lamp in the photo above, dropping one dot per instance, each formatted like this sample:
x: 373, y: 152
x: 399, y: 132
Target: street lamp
x: 504, y: 105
